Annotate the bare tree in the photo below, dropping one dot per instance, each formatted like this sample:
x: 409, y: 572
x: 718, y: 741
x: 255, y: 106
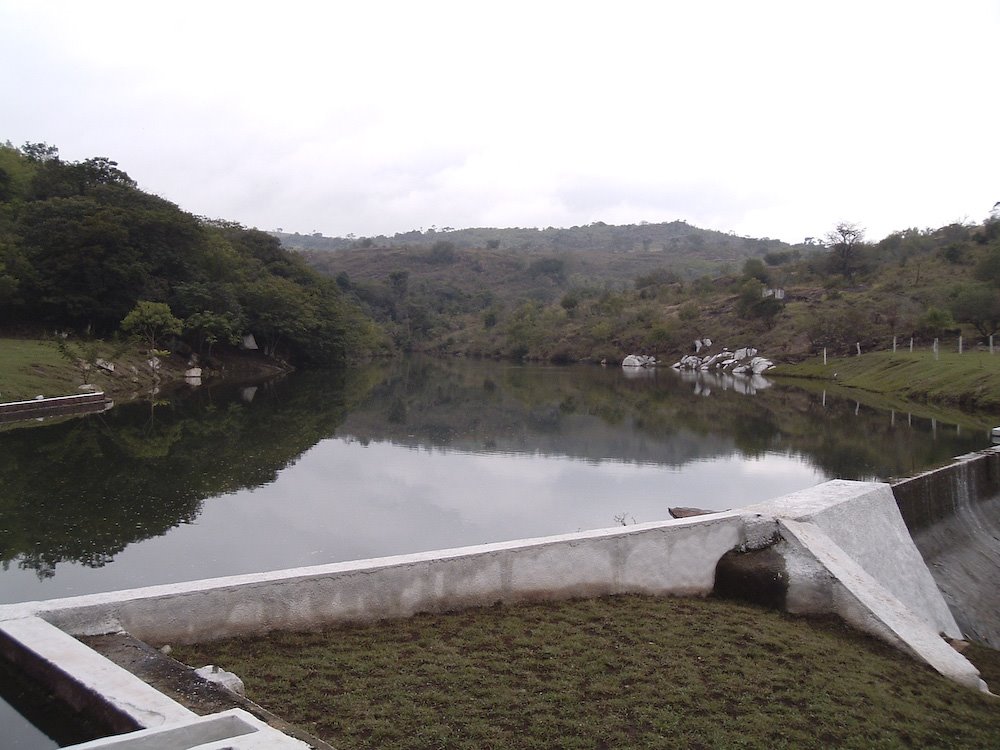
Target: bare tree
x: 844, y: 242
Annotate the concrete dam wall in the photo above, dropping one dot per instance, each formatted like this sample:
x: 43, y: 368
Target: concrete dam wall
x: 953, y: 514
x: 877, y: 556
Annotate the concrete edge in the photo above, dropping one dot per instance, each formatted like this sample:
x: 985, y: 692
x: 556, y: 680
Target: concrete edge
x: 95, y: 614
x: 84, y: 679
x: 234, y: 729
x: 867, y: 605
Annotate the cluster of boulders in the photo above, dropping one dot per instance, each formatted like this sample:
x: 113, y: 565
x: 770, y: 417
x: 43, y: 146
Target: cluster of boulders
x: 744, y: 361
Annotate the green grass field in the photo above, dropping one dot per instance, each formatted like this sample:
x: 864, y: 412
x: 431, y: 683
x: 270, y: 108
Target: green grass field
x: 29, y: 367
x: 970, y: 380
x: 614, y: 672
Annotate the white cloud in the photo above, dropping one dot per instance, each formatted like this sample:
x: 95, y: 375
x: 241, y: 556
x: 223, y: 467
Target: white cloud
x: 772, y: 118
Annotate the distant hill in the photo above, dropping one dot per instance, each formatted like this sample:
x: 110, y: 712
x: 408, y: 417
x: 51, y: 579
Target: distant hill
x: 600, y: 292
x: 436, y: 287
x: 690, y: 250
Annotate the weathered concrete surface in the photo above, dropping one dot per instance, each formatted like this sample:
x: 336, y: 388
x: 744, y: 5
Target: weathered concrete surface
x: 84, y: 679
x: 953, y: 514
x: 675, y: 557
x: 862, y: 601
x: 230, y: 730
x: 181, y: 683
x: 863, y: 520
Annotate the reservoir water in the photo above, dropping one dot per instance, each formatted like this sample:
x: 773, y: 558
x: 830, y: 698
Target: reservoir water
x: 414, y: 455
x: 409, y: 456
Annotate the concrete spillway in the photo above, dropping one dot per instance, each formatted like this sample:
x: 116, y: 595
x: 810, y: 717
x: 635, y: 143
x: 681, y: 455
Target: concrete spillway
x: 953, y: 515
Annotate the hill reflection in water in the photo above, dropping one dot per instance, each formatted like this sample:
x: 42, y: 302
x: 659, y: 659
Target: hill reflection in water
x: 415, y: 455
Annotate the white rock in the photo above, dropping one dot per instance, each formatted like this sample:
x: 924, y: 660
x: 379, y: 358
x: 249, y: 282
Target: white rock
x: 222, y: 677
x: 104, y: 364
x: 193, y: 372
x: 706, y: 341
x: 697, y: 346
x: 639, y: 360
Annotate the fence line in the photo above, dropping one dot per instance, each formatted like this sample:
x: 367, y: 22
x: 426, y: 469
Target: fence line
x: 909, y: 345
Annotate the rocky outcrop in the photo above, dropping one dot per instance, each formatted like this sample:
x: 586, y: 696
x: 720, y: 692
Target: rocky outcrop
x: 743, y: 361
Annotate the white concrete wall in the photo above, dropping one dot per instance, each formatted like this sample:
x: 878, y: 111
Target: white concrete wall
x: 862, y: 518
x: 676, y: 557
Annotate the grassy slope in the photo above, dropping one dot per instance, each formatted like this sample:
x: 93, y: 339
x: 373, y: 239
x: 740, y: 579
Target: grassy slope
x: 971, y: 380
x: 29, y: 367
x: 624, y: 671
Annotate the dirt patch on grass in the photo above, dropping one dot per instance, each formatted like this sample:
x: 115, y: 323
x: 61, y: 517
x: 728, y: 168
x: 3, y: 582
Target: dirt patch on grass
x: 625, y: 671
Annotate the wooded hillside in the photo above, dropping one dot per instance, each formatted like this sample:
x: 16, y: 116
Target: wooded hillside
x: 538, y: 303
x: 81, y: 247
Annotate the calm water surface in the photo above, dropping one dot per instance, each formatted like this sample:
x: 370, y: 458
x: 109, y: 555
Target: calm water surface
x: 412, y: 456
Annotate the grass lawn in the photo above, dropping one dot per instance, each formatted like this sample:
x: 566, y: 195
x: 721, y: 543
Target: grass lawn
x: 29, y: 367
x: 971, y: 379
x: 614, y: 672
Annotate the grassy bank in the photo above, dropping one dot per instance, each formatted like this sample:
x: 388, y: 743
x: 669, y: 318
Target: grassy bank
x: 970, y: 380
x: 29, y: 367
x: 624, y: 671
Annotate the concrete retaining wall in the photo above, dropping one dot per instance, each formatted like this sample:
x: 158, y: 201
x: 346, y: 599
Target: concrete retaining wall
x: 44, y: 407
x: 670, y: 558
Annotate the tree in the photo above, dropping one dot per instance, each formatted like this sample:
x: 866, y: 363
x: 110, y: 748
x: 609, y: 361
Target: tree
x: 209, y: 328
x: 978, y: 304
x: 844, y: 242
x: 151, y: 320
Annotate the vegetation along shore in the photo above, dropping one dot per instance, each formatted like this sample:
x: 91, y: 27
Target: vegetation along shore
x: 88, y: 262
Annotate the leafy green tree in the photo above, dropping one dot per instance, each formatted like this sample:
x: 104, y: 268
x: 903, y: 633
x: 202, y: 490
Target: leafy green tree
x: 935, y: 321
x: 845, y: 242
x: 211, y: 328
x: 753, y: 268
x: 150, y: 321
x: 399, y: 281
x: 988, y: 268
x: 979, y: 305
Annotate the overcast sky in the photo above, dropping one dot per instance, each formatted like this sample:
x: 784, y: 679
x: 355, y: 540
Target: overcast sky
x: 764, y: 118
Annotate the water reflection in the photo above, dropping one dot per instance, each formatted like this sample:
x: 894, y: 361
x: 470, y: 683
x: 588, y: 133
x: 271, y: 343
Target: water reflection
x: 414, y: 455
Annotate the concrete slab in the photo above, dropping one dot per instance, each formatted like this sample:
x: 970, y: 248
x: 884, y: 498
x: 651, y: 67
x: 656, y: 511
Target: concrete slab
x: 862, y: 601
x: 862, y: 518
x: 228, y: 730
x: 85, y: 679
